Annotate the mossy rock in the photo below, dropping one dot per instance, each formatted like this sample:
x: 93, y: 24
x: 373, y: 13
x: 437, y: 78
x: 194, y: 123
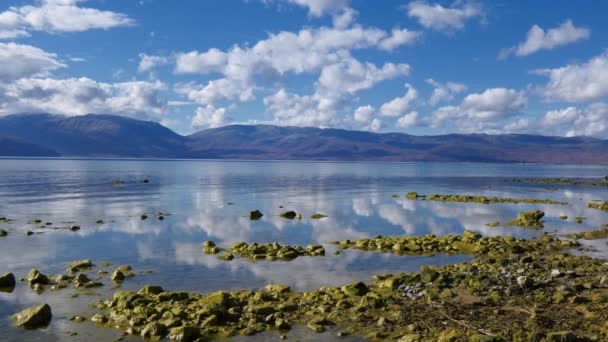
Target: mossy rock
x: 80, y: 265
x: 35, y: 277
x: 255, y: 215
x: 3, y: 233
x: 290, y: 215
x: 529, y: 219
x: 35, y: 317
x: 318, y: 216
x: 355, y: 289
x: 412, y: 195
x: 7, y: 280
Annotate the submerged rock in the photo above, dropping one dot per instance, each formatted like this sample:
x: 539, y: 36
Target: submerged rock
x: 318, y: 216
x: 36, y: 317
x: 7, y: 280
x: 598, y: 206
x: 3, y: 233
x: 255, y: 215
x: 80, y: 265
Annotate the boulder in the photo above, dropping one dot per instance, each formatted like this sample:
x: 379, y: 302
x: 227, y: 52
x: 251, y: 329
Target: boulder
x: 35, y: 317
x: 255, y: 215
x: 7, y: 280
x: 290, y: 215
x: 35, y: 277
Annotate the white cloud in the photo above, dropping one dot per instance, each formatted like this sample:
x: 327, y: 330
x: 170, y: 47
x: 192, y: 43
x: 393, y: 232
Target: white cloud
x: 345, y: 19
x: 79, y: 96
x: 436, y: 17
x: 538, y: 39
x: 149, y: 62
x: 398, y: 38
x: 572, y: 121
x: 400, y: 105
x: 298, y: 110
x: 213, y: 60
x: 319, y: 8
x: 481, y: 112
x: 376, y: 125
x: 444, y: 91
x: 57, y: 16
x: 364, y: 114
x: 578, y: 82
x: 211, y: 117
x: 18, y: 61
x: 408, y: 120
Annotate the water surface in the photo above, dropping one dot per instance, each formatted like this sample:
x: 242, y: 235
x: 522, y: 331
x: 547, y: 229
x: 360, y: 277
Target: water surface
x: 211, y: 200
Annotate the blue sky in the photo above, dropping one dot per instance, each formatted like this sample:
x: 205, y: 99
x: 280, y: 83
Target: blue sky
x: 421, y: 67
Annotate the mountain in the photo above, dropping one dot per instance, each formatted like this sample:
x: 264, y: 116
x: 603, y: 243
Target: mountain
x: 10, y: 147
x: 118, y: 136
x: 95, y: 135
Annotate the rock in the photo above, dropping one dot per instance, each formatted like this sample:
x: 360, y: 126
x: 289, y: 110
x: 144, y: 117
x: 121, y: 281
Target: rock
x: 154, y: 330
x: 290, y: 215
x: 144, y: 217
x: 409, y: 338
x: 77, y: 319
x: 74, y: 228
x: 29, y: 233
x: 226, y: 256
x: 562, y: 336
x: 99, y: 319
x: 355, y: 289
x: 7, y: 280
x: 277, y: 288
x: 151, y: 290
x: 412, y: 195
x: 99, y: 222
x: 282, y: 324
x: 184, y: 334
x: 524, y: 282
x: 318, y: 216
x: 255, y: 215
x: 35, y: 277
x: 80, y: 264
x: 3, y: 233
x: 118, y: 276
x: 35, y: 317
x: 530, y: 219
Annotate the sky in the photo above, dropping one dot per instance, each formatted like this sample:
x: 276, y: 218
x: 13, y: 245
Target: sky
x: 419, y: 67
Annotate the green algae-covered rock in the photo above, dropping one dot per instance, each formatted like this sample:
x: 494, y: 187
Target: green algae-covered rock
x: 3, y: 233
x: 355, y: 289
x: 318, y: 216
x: 290, y: 215
x: 531, y: 219
x: 7, y: 280
x: 35, y: 317
x: 184, y: 334
x: 117, y: 275
x: 35, y: 277
x: 598, y: 206
x: 277, y: 288
x: 151, y: 290
x: 412, y: 195
x: 80, y: 265
x: 255, y: 215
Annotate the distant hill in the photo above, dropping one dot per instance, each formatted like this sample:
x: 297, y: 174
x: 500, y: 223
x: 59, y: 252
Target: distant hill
x: 10, y: 147
x: 118, y: 136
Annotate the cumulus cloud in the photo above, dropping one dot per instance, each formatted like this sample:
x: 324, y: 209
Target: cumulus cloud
x: 538, y: 39
x: 444, y: 91
x: 400, y: 105
x: 439, y: 18
x: 364, y: 114
x: 577, y: 82
x: 297, y: 110
x: 408, y: 120
x: 211, y: 117
x: 79, y: 96
x: 213, y: 60
x: 398, y: 38
x: 57, y: 16
x: 319, y: 8
x: 571, y: 121
x: 19, y: 61
x: 481, y: 112
x: 149, y: 62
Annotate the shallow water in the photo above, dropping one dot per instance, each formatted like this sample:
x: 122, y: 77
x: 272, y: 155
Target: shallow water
x: 356, y: 196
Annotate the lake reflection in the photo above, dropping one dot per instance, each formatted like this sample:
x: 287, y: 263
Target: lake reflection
x: 211, y: 200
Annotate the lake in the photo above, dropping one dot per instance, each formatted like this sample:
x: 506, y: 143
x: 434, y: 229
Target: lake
x: 211, y: 200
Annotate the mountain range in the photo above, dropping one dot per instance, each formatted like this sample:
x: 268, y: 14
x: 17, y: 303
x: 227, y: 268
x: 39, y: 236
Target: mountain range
x: 110, y: 136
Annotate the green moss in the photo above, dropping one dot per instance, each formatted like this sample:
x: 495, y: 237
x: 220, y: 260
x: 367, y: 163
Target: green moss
x: 489, y: 200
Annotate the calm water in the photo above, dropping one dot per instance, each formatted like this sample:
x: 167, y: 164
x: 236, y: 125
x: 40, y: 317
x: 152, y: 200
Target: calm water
x: 356, y: 196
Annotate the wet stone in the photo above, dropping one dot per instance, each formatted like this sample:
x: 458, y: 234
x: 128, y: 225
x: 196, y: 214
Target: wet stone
x: 35, y: 317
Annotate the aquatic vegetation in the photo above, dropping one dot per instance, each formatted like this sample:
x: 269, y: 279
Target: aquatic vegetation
x: 259, y: 252
x: 255, y: 215
x: 486, y: 200
x: 560, y: 181
x: 35, y: 317
x: 493, y: 224
x: 600, y: 233
x: 528, y: 219
x: 505, y: 297
x: 318, y: 216
x: 598, y: 206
